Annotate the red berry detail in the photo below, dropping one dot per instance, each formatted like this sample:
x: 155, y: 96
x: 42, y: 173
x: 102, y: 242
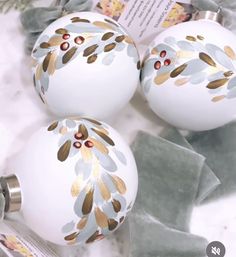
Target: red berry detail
x: 79, y: 40
x: 88, y: 144
x: 163, y: 54
x: 66, y: 36
x: 77, y: 145
x: 78, y: 135
x: 157, y: 65
x: 64, y: 46
x: 167, y: 62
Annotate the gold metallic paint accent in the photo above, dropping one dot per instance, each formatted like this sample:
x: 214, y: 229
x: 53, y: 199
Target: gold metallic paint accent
x: 100, y: 146
x: 69, y: 54
x: 228, y: 74
x: 129, y: 40
x: 200, y: 37
x: 76, y: 186
x: 88, y: 202
x: 93, y: 238
x: 230, y: 52
x: 217, y: 83
x: 207, y: 59
x: 107, y: 36
x: 120, y: 184
x: 191, y: 38
x: 96, y: 168
x: 93, y: 121
x: 82, y: 223
x: 218, y: 98
x: 103, y: 25
x: 53, y: 126
x: 77, y: 19
x: 71, y: 236
x: 63, y: 130
x: 105, y: 192
x: 52, y: 63
x: 111, y: 22
x: 46, y: 61
x: 90, y: 50
x: 120, y: 38
x: 154, y: 51
x: 109, y: 47
x: 92, y: 58
x: 55, y: 41
x: 181, y: 82
x: 61, y: 31
x: 64, y: 151
x: 44, y: 45
x: 185, y: 54
x: 84, y: 131
x: 160, y: 79
x: 112, y: 224
x: 101, y: 218
x: 116, y: 205
x: 104, y: 136
x: 86, y: 153
x: 39, y: 71
x: 176, y: 72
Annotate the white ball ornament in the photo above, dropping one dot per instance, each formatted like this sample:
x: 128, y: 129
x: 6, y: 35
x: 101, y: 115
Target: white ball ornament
x: 189, y: 75
x: 78, y: 181
x: 85, y: 64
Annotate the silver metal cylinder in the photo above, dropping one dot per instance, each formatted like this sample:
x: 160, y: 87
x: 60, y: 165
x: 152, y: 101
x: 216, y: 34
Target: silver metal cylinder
x: 209, y: 15
x: 11, y: 190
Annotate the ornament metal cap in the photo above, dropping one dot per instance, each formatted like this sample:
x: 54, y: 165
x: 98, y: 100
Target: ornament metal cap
x: 209, y: 15
x: 11, y: 190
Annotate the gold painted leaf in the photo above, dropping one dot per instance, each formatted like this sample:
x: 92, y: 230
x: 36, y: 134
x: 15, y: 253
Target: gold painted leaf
x: 69, y: 54
x: 154, y: 51
x: 218, y: 98
x: 64, y: 151
x: 191, y: 38
x: 217, y: 83
x: 92, y: 58
x: 207, y: 59
x: 88, y: 202
x: 103, y: 25
x: 63, y: 130
x: 105, y: 192
x: 119, y: 184
x: 228, y: 74
x: 76, y: 187
x: 160, y: 79
x: 200, y: 37
x: 77, y: 19
x: 86, y: 153
x: 116, y: 206
x: 176, y: 72
x: 44, y: 45
x: 46, y: 61
x: 52, y: 63
x: 105, y: 137
x: 111, y: 22
x: 61, y: 31
x: 101, y: 218
x: 38, y: 72
x: 112, y: 224
x: 119, y: 39
x: 181, y: 82
x: 93, y: 238
x: 93, y: 121
x: 55, y: 41
x: 90, y: 50
x: 71, y: 236
x: 82, y: 223
x: 109, y: 47
x: 53, y: 126
x: 100, y: 146
x: 129, y: 40
x: 83, y: 130
x: 107, y: 35
x: 230, y: 52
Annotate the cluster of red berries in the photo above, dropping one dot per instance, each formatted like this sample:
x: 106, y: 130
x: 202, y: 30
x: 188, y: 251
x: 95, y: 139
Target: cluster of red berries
x: 78, y: 144
x: 158, y: 64
x: 65, y: 45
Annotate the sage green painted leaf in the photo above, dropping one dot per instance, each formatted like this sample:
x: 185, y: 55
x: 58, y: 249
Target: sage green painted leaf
x: 232, y: 83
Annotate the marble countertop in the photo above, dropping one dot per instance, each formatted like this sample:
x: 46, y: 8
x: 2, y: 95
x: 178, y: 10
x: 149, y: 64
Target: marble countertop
x: 21, y: 113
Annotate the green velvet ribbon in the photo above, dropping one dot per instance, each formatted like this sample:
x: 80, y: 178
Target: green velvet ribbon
x: 35, y: 20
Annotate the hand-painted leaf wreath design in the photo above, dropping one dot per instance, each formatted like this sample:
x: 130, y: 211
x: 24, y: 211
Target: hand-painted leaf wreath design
x: 217, y: 83
x: 64, y: 151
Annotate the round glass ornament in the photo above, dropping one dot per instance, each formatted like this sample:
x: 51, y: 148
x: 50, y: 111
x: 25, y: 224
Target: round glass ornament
x: 78, y: 181
x: 85, y: 64
x: 189, y: 74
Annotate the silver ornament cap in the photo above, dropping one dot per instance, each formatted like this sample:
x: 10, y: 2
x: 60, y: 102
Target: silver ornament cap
x: 209, y: 15
x: 11, y: 190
